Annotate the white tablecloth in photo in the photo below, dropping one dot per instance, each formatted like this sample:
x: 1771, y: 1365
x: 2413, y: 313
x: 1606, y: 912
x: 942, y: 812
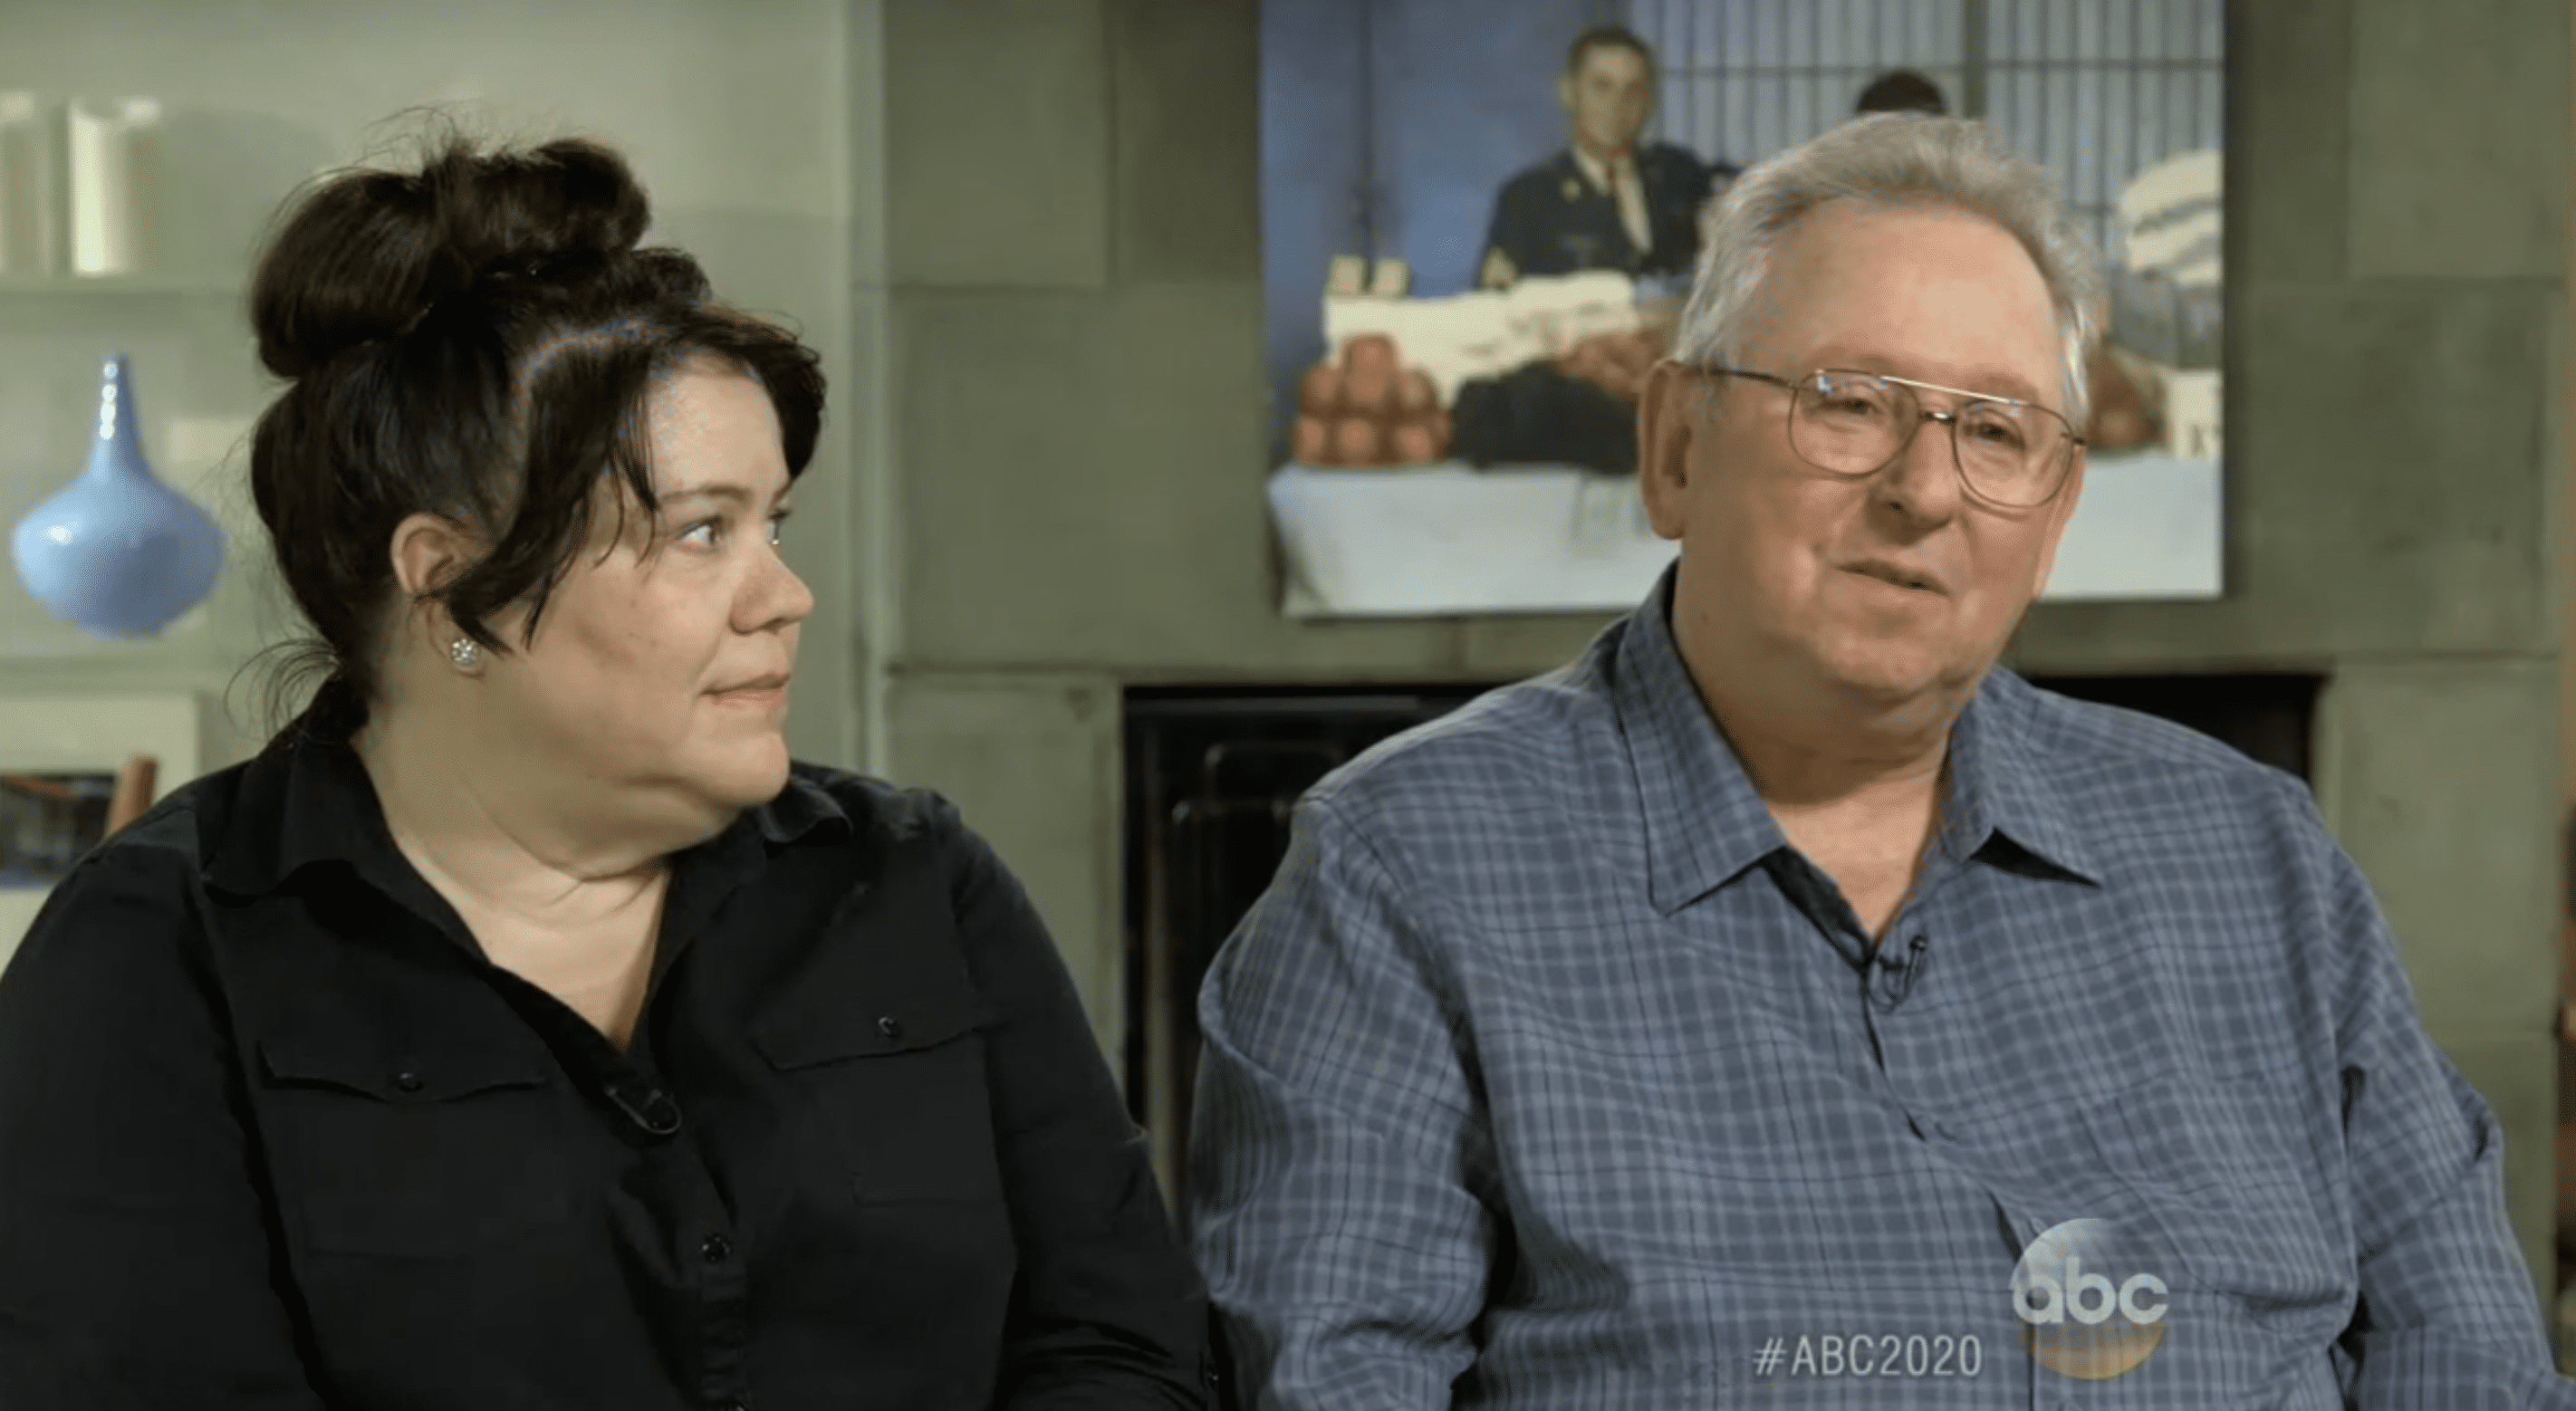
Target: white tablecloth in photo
x: 1444, y: 540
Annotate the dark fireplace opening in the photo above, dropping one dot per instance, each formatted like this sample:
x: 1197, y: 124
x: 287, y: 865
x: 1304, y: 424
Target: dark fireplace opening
x: 1211, y: 777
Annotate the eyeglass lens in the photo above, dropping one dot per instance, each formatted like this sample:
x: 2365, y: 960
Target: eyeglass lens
x: 1852, y: 424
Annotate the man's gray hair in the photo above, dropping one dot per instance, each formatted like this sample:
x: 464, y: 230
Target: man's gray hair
x: 1891, y: 159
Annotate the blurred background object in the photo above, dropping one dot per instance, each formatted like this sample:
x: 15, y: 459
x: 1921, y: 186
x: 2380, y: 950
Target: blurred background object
x: 116, y: 552
x: 112, y: 170
x: 30, y: 239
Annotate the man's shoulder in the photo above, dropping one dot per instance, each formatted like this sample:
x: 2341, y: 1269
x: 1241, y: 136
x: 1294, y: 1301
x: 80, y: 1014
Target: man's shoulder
x: 1530, y: 740
x: 2090, y: 748
x: 1543, y: 178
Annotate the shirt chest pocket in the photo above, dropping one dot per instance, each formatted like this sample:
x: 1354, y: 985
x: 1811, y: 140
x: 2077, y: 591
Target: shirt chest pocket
x: 423, y: 1156
x: 2249, y: 1212
x: 897, y: 1089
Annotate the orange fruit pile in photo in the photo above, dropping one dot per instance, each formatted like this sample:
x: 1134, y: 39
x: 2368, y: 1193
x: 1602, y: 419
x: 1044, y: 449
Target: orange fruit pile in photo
x: 1368, y: 409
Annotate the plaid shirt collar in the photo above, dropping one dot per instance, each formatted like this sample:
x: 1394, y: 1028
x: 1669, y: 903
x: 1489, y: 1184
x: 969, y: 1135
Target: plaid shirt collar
x: 1705, y: 825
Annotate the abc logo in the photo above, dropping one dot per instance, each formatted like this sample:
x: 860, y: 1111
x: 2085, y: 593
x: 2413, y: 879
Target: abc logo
x: 2087, y: 1305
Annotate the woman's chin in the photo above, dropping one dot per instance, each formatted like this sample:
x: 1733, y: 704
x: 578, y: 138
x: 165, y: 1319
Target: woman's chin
x: 745, y: 774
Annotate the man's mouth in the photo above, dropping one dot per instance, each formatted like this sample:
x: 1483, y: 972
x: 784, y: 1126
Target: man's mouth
x: 1896, y: 574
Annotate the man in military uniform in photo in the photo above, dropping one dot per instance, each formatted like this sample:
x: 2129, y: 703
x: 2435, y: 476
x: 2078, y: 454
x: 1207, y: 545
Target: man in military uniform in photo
x: 1606, y: 202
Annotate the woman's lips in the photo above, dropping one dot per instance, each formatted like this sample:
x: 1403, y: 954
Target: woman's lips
x: 765, y: 690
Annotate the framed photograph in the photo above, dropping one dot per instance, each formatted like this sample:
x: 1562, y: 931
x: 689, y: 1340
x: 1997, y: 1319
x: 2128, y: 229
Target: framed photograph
x: 1480, y: 218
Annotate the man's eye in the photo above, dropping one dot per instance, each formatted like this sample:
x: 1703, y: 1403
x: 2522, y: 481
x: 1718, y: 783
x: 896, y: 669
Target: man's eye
x: 1995, y: 429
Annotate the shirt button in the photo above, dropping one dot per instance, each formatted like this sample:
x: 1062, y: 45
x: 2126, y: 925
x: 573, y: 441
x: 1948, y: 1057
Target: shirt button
x: 890, y: 1026
x: 408, y: 1082
x: 717, y: 1249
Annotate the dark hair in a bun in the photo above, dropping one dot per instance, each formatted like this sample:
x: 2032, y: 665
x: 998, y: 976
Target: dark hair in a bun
x: 477, y: 340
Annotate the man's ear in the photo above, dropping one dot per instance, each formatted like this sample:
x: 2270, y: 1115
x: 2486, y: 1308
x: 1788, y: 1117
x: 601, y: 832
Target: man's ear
x: 1668, y: 427
x: 2059, y: 511
x: 1565, y: 93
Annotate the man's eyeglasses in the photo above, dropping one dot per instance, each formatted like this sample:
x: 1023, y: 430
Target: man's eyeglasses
x: 2010, y: 453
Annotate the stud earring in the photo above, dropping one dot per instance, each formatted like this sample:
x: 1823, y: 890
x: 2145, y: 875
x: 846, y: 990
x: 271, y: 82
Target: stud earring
x: 465, y: 652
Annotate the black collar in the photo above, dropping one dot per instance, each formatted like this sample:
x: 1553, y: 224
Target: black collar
x: 308, y: 800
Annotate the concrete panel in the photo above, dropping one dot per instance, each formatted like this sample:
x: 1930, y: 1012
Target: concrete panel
x: 2386, y: 486
x: 2445, y: 792
x: 2288, y: 128
x: 1186, y: 131
x: 2458, y: 159
x: 1082, y: 488
x: 1509, y: 648
x: 2519, y: 1079
x: 997, y: 142
x: 1032, y: 764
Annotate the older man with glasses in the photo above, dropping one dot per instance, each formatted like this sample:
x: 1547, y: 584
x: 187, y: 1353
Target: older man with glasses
x: 1782, y: 1006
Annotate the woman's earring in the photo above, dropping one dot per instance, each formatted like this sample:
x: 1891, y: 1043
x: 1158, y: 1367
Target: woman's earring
x: 465, y: 652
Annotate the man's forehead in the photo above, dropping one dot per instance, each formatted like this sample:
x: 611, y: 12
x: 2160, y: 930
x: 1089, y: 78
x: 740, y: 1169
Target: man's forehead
x: 1616, y: 61
x: 1926, y: 292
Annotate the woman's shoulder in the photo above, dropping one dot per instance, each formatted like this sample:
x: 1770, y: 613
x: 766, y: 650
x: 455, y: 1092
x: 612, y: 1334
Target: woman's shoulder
x: 128, y: 899
x: 173, y: 841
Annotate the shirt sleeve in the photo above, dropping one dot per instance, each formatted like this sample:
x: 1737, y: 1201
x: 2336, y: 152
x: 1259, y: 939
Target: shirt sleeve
x: 1338, y: 1143
x: 1108, y: 1311
x: 137, y: 1265
x: 2446, y: 1317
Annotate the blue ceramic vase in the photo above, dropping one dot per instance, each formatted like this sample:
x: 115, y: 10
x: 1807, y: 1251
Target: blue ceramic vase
x: 117, y: 553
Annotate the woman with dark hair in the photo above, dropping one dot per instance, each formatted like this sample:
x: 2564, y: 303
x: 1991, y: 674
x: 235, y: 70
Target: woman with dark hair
x: 522, y: 1028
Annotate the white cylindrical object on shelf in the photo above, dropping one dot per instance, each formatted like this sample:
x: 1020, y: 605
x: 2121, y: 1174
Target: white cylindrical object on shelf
x: 29, y: 243
x: 112, y: 151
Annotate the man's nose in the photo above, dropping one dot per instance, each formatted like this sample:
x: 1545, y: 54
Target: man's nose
x: 1924, y: 477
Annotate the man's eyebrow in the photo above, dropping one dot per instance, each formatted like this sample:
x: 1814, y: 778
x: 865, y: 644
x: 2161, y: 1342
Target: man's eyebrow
x: 1980, y: 381
x: 1998, y: 382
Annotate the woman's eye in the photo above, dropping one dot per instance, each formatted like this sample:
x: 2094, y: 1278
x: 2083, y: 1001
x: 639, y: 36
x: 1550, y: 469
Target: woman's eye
x: 702, y: 534
x: 777, y: 526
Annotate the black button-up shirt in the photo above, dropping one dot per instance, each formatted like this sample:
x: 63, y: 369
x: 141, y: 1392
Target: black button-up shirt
x: 274, y: 1133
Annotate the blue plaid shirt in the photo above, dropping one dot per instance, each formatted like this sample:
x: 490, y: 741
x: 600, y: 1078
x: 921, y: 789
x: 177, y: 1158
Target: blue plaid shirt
x: 1548, y: 1074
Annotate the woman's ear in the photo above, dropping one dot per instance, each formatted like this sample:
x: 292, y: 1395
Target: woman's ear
x: 428, y: 553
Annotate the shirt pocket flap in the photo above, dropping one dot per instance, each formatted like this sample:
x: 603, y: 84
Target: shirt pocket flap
x: 331, y: 1061
x: 809, y: 1037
